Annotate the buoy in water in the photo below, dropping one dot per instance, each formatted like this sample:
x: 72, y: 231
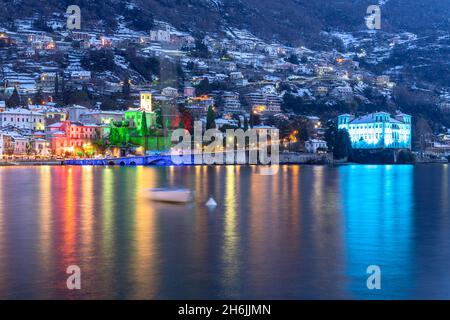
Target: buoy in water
x: 211, y: 202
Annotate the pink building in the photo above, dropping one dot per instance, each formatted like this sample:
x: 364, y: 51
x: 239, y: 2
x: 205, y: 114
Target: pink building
x: 66, y: 137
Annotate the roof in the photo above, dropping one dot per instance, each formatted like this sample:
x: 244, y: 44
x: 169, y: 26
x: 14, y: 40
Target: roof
x: 22, y: 111
x: 75, y: 106
x: 55, y: 125
x: 370, y: 118
x: 316, y: 141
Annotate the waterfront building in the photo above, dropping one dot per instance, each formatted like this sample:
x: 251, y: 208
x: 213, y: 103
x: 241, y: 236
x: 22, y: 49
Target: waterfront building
x: 66, y: 137
x: 20, y: 144
x: 40, y: 147
x: 22, y: 118
x: 6, y: 145
x: 378, y: 130
x: 315, y: 145
x: 14, y: 144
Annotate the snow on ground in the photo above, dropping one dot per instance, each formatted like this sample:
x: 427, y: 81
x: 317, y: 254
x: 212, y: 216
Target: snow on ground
x: 347, y: 38
x: 121, y: 62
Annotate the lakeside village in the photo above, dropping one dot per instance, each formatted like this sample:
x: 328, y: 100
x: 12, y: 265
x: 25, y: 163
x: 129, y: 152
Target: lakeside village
x: 88, y: 95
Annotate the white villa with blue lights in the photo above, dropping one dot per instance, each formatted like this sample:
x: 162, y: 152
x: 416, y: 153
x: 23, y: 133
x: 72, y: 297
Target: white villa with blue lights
x: 378, y: 130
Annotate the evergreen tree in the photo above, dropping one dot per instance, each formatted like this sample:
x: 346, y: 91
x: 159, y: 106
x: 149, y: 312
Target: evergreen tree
x: 245, y: 123
x: 114, y: 137
x: 38, y: 97
x: 255, y: 120
x: 144, y: 130
x: 238, y: 119
x: 181, y: 124
x: 159, y: 118
x: 338, y: 141
x: 293, y: 59
x: 343, y: 147
x: 203, y: 87
x: 210, y: 119
x: 85, y: 89
x: 56, y: 85
x: 144, y: 126
x: 126, y: 88
x: 201, y: 50
x: 14, y: 100
x: 63, y: 88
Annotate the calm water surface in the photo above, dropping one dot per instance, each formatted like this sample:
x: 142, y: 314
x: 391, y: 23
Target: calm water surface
x: 308, y: 232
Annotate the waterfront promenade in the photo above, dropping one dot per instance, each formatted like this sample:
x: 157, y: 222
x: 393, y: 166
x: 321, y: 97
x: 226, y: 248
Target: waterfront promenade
x: 162, y: 159
x: 166, y: 159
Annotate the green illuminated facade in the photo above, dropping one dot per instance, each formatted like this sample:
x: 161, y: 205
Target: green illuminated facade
x: 140, y: 128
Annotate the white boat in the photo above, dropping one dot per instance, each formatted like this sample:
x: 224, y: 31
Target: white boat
x: 171, y: 195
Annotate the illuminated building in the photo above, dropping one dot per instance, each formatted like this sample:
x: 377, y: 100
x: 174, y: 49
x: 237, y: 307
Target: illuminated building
x: 20, y: 145
x: 5, y: 40
x: 315, y: 145
x: 22, y: 119
x: 134, y: 116
x: 6, y: 145
x: 378, y: 130
x: 189, y: 91
x: 50, y: 45
x: 198, y: 106
x: 66, y: 137
x: 40, y: 147
x: 14, y: 144
x: 51, y: 113
x: 141, y: 127
x: 105, y: 42
x: 146, y: 101
x: 264, y: 103
x: 47, y: 82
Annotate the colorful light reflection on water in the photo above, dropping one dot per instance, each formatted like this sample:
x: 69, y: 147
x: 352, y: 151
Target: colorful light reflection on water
x: 307, y: 232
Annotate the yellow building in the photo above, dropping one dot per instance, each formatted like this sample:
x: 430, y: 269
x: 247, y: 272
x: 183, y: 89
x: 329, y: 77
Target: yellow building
x: 146, y: 101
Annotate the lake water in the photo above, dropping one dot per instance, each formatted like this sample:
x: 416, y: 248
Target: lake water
x: 307, y: 232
